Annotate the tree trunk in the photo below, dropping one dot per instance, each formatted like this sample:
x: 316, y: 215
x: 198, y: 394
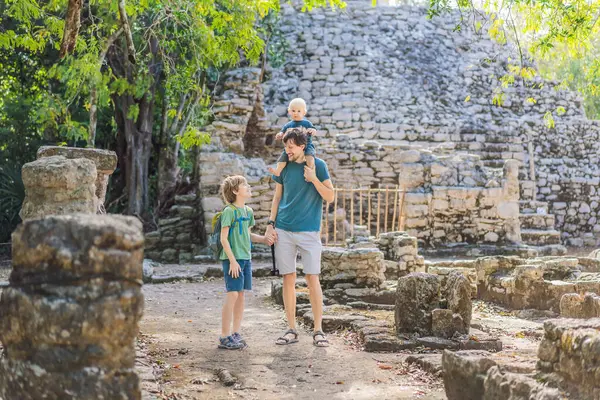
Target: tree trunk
x: 72, y: 24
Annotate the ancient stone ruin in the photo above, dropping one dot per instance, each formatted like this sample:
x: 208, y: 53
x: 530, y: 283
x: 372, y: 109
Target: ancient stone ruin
x: 426, y: 309
x: 57, y: 185
x: 567, y: 368
x: 105, y: 161
x: 70, y: 315
x: 66, y: 180
x: 360, y: 267
x: 575, y: 305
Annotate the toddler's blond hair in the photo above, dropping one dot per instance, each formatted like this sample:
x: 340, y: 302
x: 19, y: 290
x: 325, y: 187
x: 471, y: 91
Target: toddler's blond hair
x: 298, y: 102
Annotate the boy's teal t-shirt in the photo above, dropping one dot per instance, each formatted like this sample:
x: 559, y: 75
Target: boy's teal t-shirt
x: 239, y: 234
x: 301, y: 205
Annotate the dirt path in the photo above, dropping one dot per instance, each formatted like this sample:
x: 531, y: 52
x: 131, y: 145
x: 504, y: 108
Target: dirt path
x: 182, y: 323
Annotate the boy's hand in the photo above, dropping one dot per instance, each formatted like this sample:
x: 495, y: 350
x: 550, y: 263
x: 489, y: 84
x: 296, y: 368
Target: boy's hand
x: 234, y: 269
x: 310, y: 175
x: 279, y: 136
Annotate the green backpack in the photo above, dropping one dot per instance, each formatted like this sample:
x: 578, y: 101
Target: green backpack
x: 214, y: 241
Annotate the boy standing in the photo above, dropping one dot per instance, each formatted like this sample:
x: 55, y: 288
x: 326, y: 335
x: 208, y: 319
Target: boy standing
x: 297, y: 111
x: 236, y: 221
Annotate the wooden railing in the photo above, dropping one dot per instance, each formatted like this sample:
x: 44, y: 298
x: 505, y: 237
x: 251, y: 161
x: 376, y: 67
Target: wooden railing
x: 363, y: 207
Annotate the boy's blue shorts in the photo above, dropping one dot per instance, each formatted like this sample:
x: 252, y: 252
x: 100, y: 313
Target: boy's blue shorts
x: 243, y: 281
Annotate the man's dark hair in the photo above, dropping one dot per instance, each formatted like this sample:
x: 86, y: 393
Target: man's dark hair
x: 295, y: 135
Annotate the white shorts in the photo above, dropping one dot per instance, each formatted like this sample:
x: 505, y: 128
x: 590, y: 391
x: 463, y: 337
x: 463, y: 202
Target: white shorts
x: 308, y: 244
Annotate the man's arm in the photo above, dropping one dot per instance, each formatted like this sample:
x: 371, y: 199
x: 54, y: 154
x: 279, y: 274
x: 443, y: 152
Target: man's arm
x: 270, y: 234
x: 324, y: 188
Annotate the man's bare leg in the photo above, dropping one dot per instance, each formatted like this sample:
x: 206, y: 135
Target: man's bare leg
x: 289, y: 302
x: 316, y: 300
x: 289, y: 298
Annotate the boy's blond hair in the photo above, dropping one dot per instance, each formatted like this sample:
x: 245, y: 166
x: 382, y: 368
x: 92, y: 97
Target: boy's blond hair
x: 298, y: 102
x: 230, y: 185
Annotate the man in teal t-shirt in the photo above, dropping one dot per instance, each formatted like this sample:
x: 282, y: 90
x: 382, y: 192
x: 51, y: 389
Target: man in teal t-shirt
x: 295, y: 226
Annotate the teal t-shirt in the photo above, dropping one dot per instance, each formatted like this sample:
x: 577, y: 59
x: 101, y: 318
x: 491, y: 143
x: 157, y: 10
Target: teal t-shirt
x: 240, y: 220
x: 301, y: 205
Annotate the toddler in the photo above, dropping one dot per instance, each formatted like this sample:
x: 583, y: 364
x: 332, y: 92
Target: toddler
x: 297, y: 111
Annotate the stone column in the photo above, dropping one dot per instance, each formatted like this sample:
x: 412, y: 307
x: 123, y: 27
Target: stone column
x: 57, y: 185
x: 70, y: 316
x: 105, y: 161
x: 508, y: 208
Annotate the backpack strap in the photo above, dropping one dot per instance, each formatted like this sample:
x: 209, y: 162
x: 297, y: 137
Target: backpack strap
x: 234, y: 216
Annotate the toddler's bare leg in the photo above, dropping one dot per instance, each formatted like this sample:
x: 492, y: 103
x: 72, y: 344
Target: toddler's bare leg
x: 280, y: 167
x: 310, y: 162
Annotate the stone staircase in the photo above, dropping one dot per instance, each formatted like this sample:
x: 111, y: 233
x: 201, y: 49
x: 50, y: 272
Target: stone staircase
x: 537, y: 228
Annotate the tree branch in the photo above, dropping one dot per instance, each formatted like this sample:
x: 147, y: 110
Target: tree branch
x: 94, y: 90
x: 127, y: 29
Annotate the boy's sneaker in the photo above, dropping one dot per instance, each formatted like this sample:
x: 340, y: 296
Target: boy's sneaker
x: 238, y: 338
x: 229, y: 344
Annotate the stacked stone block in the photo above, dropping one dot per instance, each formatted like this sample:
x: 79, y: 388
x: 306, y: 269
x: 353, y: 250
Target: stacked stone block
x: 58, y: 185
x: 401, y: 254
x: 360, y: 267
x: 176, y: 239
x: 71, y: 313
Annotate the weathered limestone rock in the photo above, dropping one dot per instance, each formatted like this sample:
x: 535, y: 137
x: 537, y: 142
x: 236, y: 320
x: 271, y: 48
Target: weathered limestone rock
x: 465, y: 373
x: 417, y: 295
x: 105, y: 161
x: 70, y: 317
x: 445, y: 323
x: 458, y: 296
x: 57, y: 185
x: 362, y: 267
x: 595, y: 254
x: 570, y: 351
x: 501, y: 385
x: 573, y: 305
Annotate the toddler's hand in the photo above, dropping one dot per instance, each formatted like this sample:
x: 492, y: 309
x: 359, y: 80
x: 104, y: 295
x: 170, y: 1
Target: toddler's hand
x: 234, y: 269
x: 279, y: 136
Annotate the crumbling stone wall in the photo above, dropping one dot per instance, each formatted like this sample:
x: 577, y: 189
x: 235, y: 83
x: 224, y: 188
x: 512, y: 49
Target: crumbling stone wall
x: 574, y: 305
x: 522, y: 283
x: 70, y: 315
x: 361, y: 267
x: 570, y: 352
x: 454, y: 199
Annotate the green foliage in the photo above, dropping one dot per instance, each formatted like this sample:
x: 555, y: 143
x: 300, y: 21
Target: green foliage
x: 562, y: 36
x: 12, y: 194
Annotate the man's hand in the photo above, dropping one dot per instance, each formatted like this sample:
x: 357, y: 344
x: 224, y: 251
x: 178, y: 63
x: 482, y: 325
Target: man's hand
x: 310, y: 175
x: 270, y: 235
x: 234, y: 269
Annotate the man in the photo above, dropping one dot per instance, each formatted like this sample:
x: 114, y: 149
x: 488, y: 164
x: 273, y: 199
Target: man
x: 295, y: 225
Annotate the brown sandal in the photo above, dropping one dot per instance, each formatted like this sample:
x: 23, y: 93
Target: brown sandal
x: 320, y: 342
x: 282, y: 340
